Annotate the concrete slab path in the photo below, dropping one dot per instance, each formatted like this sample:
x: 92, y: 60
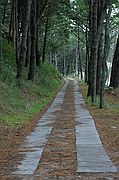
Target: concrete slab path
x: 64, y: 141
x: 91, y: 156
x: 33, y: 147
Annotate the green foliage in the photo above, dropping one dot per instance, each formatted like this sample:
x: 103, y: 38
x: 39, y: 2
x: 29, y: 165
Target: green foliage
x: 8, y: 53
x: 18, y: 105
x: 8, y: 74
x: 109, y: 103
x: 50, y: 73
x: 8, y: 63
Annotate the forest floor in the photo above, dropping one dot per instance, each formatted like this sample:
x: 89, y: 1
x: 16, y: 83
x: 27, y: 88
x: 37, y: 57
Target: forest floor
x: 107, y: 123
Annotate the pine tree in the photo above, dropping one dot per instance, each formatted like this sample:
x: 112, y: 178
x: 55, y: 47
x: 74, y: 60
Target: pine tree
x: 0, y: 36
x: 114, y: 82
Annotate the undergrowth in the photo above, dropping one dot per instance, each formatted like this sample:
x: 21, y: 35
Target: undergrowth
x: 109, y: 100
x: 18, y: 104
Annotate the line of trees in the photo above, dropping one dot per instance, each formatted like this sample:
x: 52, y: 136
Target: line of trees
x: 96, y: 28
x: 98, y: 23
x: 29, y: 26
x: 78, y: 37
x: 100, y: 14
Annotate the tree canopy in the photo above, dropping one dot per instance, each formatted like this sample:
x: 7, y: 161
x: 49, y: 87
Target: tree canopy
x: 79, y: 37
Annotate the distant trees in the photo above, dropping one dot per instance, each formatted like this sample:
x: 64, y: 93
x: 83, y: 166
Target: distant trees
x: 75, y: 36
x: 97, y: 27
x: 29, y: 25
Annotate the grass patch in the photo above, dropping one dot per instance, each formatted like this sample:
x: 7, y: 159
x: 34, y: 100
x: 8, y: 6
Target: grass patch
x: 111, y: 101
x: 18, y: 105
x: 20, y: 102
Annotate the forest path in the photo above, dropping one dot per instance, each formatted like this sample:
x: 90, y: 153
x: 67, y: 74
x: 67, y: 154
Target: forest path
x: 64, y: 142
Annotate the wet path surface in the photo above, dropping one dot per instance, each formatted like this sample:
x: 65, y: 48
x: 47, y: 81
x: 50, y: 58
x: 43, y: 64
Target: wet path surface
x: 64, y: 142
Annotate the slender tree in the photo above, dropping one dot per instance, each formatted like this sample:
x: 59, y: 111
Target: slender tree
x: 87, y: 56
x: 93, y: 55
x: 99, y: 62
x: 106, y: 53
x: 33, y: 42
x: 45, y: 39
x: 24, y: 30
x: 38, y: 53
x: 98, y: 15
x: 114, y: 82
x: 4, y: 11
x: 79, y: 57
x: 28, y: 53
x: 0, y: 36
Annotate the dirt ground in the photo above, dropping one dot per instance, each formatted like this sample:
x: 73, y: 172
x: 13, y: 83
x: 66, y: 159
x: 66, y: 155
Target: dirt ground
x: 107, y: 123
x: 10, y: 140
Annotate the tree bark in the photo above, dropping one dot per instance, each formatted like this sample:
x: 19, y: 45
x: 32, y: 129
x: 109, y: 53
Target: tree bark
x: 45, y: 41
x: 23, y: 48
x: 114, y: 82
x: 38, y: 54
x: 17, y: 32
x: 64, y: 61
x: 14, y: 23
x: 87, y: 56
x: 90, y: 2
x: 97, y: 22
x: 28, y: 53
x: 106, y: 53
x: 99, y: 63
x: 79, y: 57
x: 33, y: 43
x: 4, y: 11
x: 0, y: 37
x: 93, y: 56
x: 10, y: 24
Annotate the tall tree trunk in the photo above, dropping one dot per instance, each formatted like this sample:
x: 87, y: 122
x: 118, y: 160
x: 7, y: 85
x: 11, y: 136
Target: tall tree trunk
x: 76, y: 61
x: 10, y: 24
x: 28, y: 53
x: 99, y: 63
x: 79, y: 57
x: 33, y: 43
x: 38, y: 54
x: 97, y: 22
x: 14, y: 24
x: 90, y: 2
x: 64, y: 59
x: 17, y: 32
x: 106, y: 53
x: 45, y: 40
x: 0, y: 37
x: 56, y: 60
x: 114, y: 82
x: 93, y: 56
x: 23, y: 48
x: 4, y: 11
x: 87, y: 56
